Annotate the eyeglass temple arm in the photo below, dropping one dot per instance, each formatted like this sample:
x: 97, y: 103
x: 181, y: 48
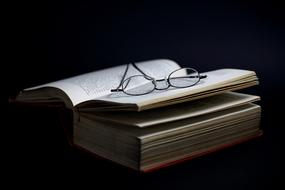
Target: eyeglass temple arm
x: 116, y: 90
x: 122, y: 80
x: 200, y: 77
x: 125, y: 73
x: 135, y: 66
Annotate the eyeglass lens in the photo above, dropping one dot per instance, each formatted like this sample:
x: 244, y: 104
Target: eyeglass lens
x: 184, y: 77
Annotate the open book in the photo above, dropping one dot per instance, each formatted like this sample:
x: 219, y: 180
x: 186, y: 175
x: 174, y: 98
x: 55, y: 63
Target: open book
x: 160, y: 128
x: 92, y: 91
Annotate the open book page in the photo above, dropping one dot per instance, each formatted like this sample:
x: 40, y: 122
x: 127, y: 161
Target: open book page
x: 99, y: 83
x: 238, y: 111
x: 176, y: 112
x: 215, y: 79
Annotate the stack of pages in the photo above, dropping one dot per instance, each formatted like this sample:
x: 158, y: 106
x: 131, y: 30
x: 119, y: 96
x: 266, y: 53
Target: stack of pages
x: 158, y: 129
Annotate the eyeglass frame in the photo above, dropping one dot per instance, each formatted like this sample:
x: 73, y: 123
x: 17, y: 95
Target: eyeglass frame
x: 153, y: 80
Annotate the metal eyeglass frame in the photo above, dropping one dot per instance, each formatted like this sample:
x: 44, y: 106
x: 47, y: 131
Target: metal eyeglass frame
x: 153, y: 80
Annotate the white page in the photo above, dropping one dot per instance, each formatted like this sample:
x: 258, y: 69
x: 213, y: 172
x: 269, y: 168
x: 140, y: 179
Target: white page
x: 99, y: 83
x: 214, y: 79
x: 202, y: 120
x: 179, y: 111
x: 173, y: 126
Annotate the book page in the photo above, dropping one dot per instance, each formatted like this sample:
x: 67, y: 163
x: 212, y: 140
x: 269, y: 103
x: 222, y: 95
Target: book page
x: 99, y: 83
x: 177, y: 125
x: 176, y: 112
x: 214, y: 79
x: 240, y: 113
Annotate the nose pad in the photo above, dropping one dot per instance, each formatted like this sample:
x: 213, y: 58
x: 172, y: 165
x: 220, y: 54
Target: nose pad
x: 162, y: 84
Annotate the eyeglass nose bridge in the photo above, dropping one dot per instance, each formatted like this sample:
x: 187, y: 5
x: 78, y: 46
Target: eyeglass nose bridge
x: 157, y: 86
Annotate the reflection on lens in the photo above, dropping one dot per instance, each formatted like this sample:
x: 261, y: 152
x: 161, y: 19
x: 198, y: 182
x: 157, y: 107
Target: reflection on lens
x: 138, y: 85
x: 184, y: 77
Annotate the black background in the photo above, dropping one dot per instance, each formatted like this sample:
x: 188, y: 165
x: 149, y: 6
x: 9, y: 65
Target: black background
x: 60, y: 39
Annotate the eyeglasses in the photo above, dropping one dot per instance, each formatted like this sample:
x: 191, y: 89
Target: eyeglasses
x: 137, y: 85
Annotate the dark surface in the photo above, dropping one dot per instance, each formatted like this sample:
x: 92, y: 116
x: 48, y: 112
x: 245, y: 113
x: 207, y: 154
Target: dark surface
x: 62, y: 39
